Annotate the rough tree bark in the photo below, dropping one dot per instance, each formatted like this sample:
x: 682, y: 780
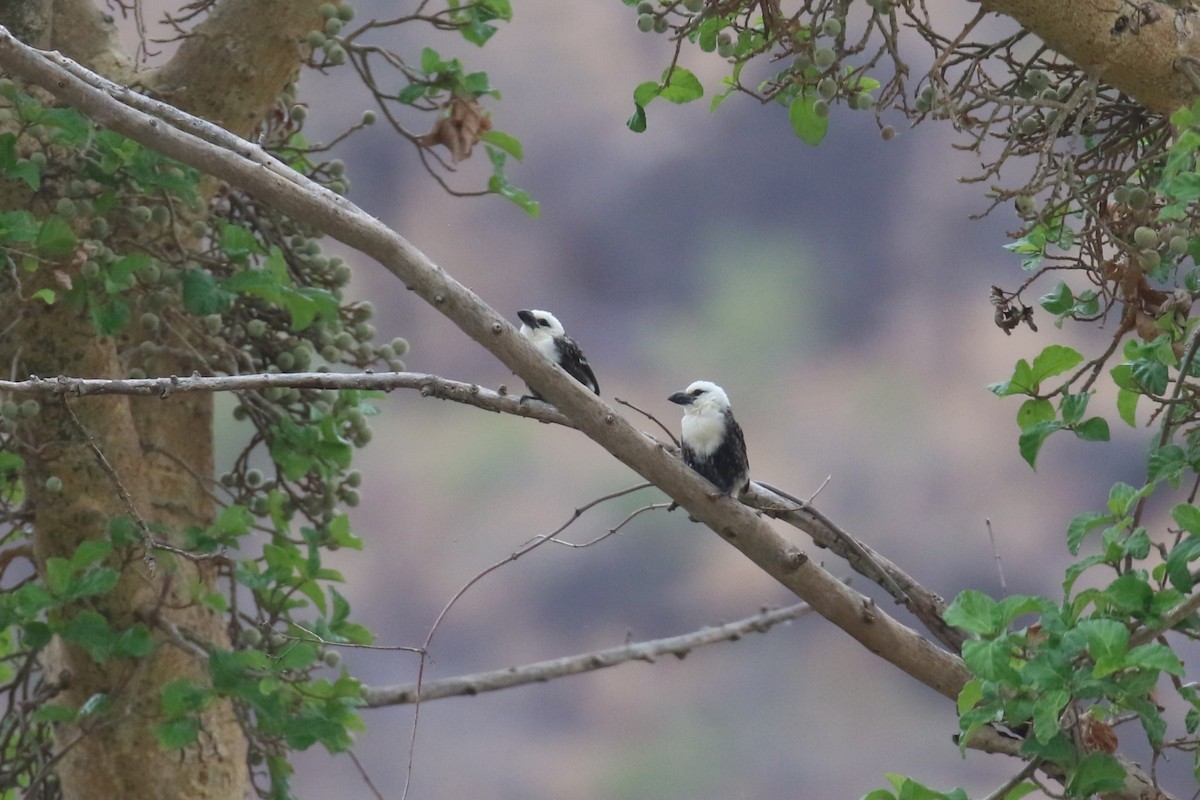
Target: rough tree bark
x: 230, y: 71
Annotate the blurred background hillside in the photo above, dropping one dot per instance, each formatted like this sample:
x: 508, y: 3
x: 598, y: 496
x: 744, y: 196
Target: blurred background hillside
x: 839, y: 294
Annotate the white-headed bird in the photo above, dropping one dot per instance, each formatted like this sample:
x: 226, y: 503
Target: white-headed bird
x: 712, y: 440
x: 543, y: 330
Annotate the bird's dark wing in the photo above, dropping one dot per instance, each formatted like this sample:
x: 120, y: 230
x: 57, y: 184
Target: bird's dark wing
x: 576, y: 364
x: 739, y: 463
x: 727, y: 467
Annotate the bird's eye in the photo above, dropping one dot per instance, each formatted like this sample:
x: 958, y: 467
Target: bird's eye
x: 544, y: 323
x: 697, y: 392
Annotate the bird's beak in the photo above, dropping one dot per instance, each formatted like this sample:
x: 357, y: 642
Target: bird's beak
x: 682, y: 398
x: 527, y: 318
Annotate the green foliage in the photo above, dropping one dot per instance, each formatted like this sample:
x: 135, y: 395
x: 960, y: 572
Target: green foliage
x: 678, y: 85
x: 251, y: 292
x: 1037, y: 417
x: 905, y: 788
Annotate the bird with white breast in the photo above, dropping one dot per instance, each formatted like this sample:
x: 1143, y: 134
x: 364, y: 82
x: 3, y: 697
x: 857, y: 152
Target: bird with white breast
x: 543, y: 330
x: 711, y: 439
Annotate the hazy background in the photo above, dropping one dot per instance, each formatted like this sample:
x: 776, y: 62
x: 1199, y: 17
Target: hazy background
x: 839, y: 294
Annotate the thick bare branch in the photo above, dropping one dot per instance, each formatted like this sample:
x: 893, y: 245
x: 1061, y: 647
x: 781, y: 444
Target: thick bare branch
x: 924, y: 604
x: 542, y: 671
x: 1135, y: 47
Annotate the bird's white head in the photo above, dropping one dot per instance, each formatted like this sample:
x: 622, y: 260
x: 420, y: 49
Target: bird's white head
x: 536, y: 321
x: 702, y: 398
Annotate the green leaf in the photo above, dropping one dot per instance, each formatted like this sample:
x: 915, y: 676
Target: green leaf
x: 412, y: 93
x: 990, y: 659
x: 1096, y: 772
x: 1059, y: 300
x: 1127, y: 406
x: 1017, y: 605
x: 1150, y: 375
x: 1108, y: 642
x: 110, y: 317
x: 637, y: 122
x: 93, y: 582
x: 1083, y: 524
x: 1130, y: 593
x: 1054, y: 360
x: 1034, y: 411
x: 50, y: 713
x: 91, y: 551
x: 201, y: 294
x: 1155, y: 656
x: 58, y: 574
x: 805, y: 123
x: 1167, y: 463
x: 177, y: 733
x: 1187, y: 516
x: 1030, y: 441
x: 970, y: 695
x: 499, y: 184
x: 1073, y: 406
x: 55, y: 238
x: 1046, y: 711
x: 1021, y: 382
x: 237, y: 242
x: 1122, y: 496
x: 1021, y: 790
x: 184, y: 696
x: 506, y: 142
x: 47, y: 296
x: 27, y: 171
x: 1093, y: 430
x: 645, y: 92
x: 133, y: 642
x: 90, y: 630
x: 431, y: 62
x: 1179, y: 561
x: 680, y: 85
x: 974, y: 612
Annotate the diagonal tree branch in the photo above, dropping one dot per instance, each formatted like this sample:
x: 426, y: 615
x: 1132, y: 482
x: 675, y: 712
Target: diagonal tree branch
x: 542, y: 671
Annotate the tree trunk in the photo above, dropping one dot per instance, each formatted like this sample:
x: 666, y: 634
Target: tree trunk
x: 158, y: 452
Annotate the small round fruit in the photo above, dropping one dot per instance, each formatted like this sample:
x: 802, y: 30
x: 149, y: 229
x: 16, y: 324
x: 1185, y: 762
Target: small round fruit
x: 1149, y: 260
x: 645, y: 23
x: 1145, y: 237
x: 824, y: 57
x: 827, y: 88
x: 1138, y: 198
x: 54, y: 484
x: 831, y: 27
x: 1178, y: 245
x: 821, y: 108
